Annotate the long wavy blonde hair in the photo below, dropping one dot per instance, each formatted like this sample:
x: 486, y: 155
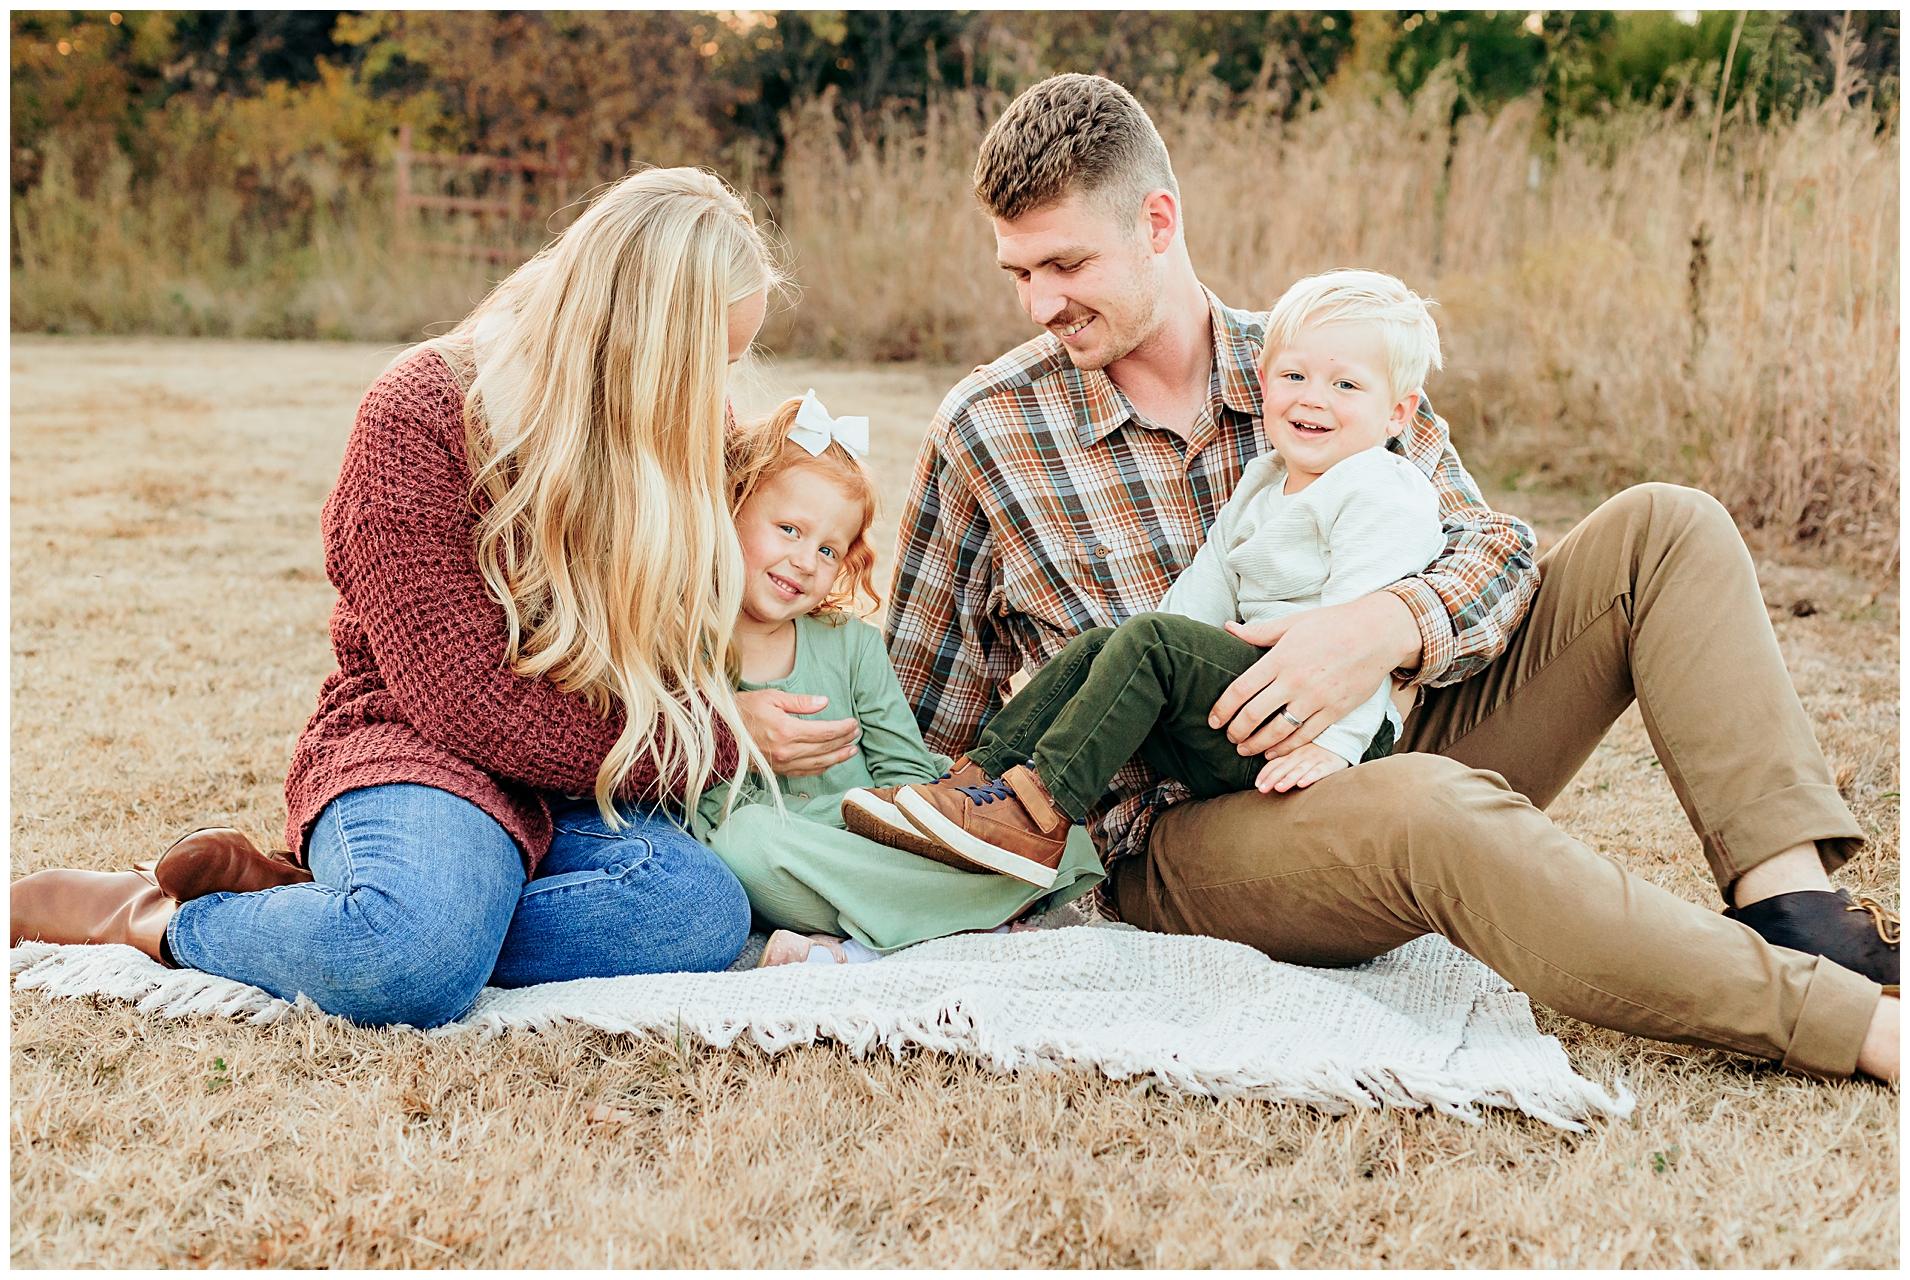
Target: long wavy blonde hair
x: 595, y: 415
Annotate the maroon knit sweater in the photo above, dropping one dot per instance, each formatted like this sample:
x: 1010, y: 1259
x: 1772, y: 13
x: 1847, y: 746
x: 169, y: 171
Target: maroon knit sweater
x: 421, y: 693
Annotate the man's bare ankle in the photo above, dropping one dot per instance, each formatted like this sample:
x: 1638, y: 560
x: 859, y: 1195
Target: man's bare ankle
x: 1882, y: 1051
x: 1797, y: 869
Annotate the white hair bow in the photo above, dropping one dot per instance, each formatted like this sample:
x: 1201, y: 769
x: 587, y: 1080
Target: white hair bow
x: 813, y: 429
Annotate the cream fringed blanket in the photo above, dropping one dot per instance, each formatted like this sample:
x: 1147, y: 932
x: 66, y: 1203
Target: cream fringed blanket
x: 1426, y: 1025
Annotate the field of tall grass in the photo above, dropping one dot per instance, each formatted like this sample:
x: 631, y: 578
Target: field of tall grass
x: 1660, y: 293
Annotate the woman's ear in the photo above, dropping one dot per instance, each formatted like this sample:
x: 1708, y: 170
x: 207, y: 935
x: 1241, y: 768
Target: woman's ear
x: 1402, y: 416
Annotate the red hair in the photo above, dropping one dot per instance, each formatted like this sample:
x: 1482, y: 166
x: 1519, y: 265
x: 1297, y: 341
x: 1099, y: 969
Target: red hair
x: 760, y: 453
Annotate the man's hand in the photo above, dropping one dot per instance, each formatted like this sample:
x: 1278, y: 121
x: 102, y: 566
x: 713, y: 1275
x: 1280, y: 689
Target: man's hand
x: 1301, y: 767
x: 796, y: 748
x: 1321, y: 664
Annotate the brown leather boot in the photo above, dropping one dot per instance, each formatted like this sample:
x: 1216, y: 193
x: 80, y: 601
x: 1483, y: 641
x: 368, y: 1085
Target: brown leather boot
x: 222, y: 860
x: 1010, y: 825
x: 870, y: 812
x: 91, y: 906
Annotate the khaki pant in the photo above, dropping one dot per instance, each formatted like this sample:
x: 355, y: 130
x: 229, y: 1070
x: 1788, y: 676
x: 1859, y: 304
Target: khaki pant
x: 1653, y: 597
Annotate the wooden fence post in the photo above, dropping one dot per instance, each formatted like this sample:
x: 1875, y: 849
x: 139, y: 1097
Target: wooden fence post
x: 473, y: 222
x: 402, y: 201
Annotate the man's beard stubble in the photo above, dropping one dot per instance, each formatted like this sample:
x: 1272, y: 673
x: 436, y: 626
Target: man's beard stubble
x: 1133, y: 317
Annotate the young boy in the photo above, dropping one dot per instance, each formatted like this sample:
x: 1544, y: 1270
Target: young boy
x: 1329, y: 515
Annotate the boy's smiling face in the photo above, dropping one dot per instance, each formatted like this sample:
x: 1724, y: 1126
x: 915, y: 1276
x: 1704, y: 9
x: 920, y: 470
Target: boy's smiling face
x: 1328, y: 396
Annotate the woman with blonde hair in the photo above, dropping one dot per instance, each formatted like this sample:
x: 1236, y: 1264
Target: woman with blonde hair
x: 537, y: 581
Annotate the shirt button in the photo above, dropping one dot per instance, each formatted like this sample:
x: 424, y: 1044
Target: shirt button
x: 1102, y: 552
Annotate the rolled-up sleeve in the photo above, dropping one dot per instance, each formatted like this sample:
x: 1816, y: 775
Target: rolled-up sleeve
x: 1476, y: 591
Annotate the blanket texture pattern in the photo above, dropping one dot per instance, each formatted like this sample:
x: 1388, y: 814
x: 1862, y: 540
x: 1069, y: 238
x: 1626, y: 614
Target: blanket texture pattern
x: 1423, y: 1026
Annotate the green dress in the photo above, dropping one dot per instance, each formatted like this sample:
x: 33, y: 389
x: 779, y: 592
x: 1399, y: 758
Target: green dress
x: 804, y: 870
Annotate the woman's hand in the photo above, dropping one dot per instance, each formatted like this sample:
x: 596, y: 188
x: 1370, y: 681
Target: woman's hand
x: 796, y: 748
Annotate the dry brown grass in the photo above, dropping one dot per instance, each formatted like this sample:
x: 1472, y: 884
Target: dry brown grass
x: 168, y: 636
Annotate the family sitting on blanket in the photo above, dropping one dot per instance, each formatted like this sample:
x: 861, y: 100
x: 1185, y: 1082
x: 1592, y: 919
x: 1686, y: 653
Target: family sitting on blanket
x: 1327, y: 515
x: 560, y: 645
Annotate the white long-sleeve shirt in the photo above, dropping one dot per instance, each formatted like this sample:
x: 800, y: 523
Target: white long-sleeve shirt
x: 1371, y: 520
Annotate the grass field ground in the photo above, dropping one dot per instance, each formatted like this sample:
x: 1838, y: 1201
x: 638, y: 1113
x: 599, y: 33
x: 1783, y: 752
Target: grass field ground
x: 169, y: 608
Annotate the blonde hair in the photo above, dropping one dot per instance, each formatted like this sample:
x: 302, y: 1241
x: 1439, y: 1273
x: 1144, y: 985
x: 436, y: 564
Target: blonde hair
x: 594, y: 413
x: 1404, y: 318
x: 763, y: 452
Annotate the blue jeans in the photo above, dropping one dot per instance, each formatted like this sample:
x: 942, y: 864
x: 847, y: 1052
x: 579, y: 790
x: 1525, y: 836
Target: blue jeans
x: 420, y: 898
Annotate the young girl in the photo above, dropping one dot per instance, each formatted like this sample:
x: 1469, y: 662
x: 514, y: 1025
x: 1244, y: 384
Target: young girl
x: 803, y: 506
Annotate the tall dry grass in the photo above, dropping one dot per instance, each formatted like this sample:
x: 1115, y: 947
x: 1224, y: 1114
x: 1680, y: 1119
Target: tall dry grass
x: 1623, y: 301
x: 179, y: 255
x: 894, y: 259
x: 1589, y: 337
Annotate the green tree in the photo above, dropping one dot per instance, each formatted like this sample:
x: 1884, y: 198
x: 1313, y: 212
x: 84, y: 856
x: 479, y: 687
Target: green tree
x: 1499, y: 54
x: 617, y: 88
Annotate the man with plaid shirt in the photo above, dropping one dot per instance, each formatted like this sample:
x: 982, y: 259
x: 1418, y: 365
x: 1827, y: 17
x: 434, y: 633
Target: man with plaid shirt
x: 1065, y: 485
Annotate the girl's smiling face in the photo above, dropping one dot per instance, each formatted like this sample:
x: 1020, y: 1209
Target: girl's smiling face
x: 794, y: 529
x: 1327, y: 396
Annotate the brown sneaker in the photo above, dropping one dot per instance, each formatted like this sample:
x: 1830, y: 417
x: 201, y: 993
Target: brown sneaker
x: 1008, y: 826
x: 870, y: 812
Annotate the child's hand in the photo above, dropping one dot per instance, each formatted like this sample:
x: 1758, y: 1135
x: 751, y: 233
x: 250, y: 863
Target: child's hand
x: 1301, y: 767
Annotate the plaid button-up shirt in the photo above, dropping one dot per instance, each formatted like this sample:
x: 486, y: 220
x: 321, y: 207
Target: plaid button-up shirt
x: 1043, y: 505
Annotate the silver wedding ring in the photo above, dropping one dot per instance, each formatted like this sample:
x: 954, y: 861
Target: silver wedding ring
x: 1292, y: 719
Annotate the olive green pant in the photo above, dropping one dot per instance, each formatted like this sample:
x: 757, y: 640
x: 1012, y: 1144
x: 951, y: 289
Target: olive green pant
x: 1145, y: 687
x: 1651, y: 598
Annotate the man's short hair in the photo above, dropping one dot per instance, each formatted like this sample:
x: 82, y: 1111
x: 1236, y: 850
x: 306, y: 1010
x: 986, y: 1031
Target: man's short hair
x: 1072, y: 135
x: 1404, y: 318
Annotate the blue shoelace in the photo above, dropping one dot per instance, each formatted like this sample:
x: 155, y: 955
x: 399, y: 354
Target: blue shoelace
x: 993, y: 791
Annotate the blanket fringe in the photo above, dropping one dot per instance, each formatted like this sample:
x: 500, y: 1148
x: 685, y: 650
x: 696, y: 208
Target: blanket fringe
x: 125, y: 973
x: 1331, y: 1086
x: 1536, y: 1078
